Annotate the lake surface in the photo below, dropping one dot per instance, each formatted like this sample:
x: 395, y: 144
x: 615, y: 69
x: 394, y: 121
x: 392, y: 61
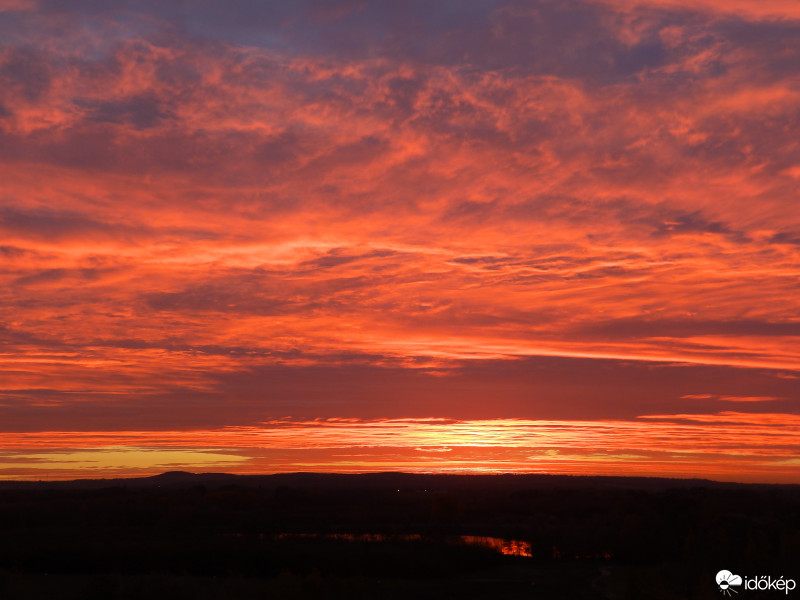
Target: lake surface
x: 504, y: 546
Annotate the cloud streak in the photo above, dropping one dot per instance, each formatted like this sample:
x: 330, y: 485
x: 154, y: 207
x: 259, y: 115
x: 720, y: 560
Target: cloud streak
x: 744, y: 447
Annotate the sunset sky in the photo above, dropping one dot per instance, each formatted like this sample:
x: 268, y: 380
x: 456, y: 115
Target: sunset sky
x: 547, y: 236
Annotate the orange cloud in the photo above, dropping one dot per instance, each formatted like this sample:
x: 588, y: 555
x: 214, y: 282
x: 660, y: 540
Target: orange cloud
x: 234, y: 215
x: 768, y: 10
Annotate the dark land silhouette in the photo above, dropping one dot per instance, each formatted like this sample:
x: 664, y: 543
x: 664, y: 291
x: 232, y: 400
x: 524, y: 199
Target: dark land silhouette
x: 390, y: 535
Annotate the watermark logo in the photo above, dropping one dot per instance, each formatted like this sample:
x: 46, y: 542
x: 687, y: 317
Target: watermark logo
x: 727, y: 581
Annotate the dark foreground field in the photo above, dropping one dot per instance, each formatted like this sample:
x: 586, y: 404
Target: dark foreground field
x: 221, y: 536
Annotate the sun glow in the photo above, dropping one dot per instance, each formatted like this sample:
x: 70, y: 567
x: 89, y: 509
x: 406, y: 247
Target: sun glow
x: 743, y: 447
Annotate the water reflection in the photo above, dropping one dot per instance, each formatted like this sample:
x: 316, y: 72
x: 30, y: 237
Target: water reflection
x: 508, y: 547
x: 502, y: 545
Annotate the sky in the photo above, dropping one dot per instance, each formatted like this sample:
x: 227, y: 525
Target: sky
x: 482, y: 236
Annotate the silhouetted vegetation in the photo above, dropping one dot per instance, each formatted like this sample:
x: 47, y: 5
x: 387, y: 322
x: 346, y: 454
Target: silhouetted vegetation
x: 219, y: 536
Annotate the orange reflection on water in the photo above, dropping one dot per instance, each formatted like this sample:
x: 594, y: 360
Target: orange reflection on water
x: 507, y: 547
x: 502, y: 545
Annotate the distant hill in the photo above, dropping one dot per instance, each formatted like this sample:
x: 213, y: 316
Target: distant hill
x: 407, y: 481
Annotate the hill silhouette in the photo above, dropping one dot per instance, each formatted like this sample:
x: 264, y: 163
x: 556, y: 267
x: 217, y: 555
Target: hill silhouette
x: 387, y: 535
